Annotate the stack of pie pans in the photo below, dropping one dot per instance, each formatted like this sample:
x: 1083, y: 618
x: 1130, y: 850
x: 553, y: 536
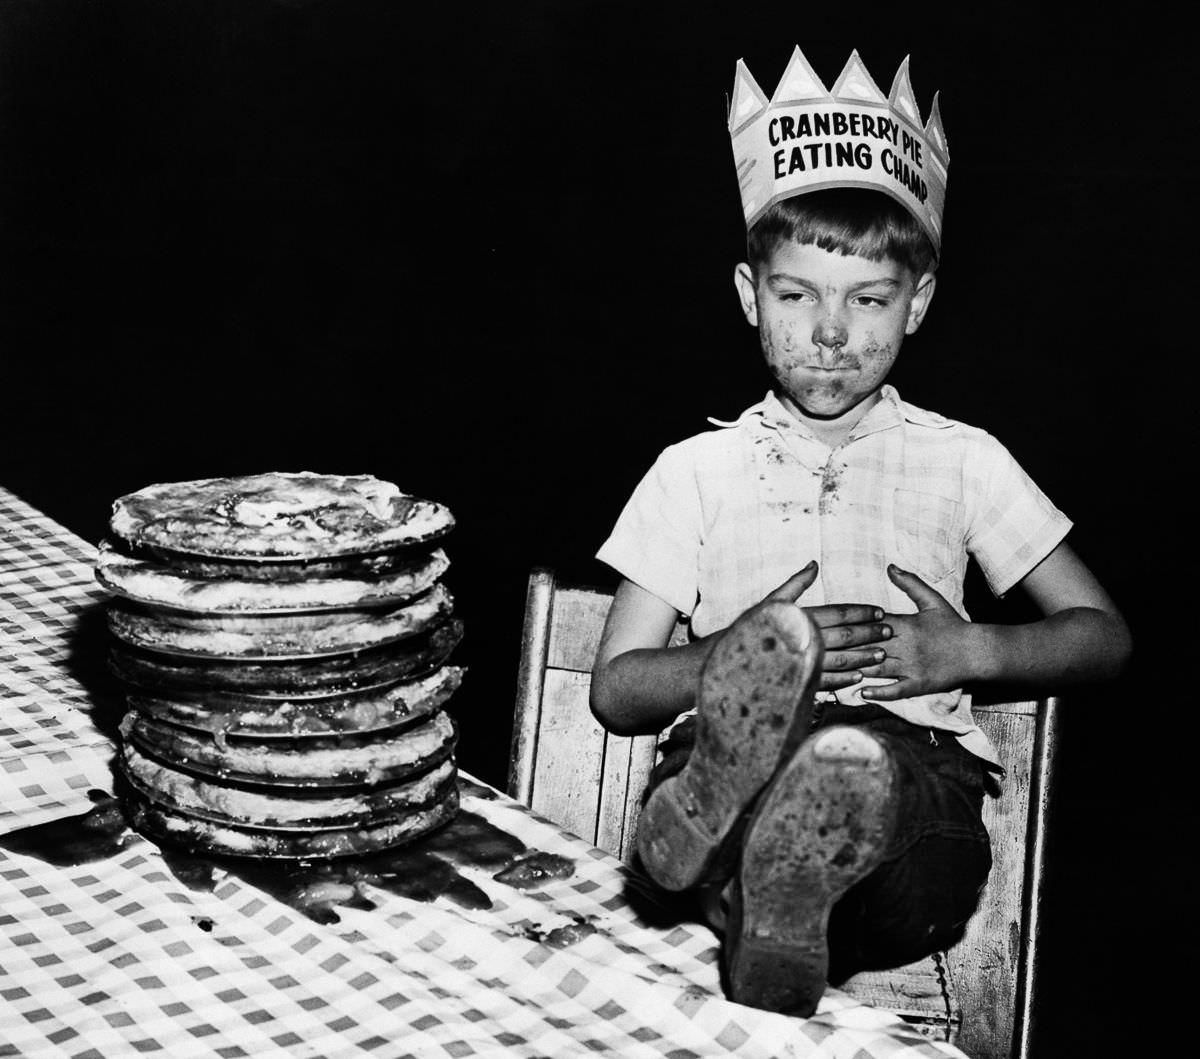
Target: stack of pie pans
x: 283, y: 639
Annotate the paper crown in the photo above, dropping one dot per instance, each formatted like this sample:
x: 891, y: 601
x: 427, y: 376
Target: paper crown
x: 807, y: 137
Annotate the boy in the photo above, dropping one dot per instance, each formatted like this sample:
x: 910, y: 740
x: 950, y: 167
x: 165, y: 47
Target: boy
x: 826, y: 797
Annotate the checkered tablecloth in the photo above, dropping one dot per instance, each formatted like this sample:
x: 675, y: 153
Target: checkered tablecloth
x: 121, y: 956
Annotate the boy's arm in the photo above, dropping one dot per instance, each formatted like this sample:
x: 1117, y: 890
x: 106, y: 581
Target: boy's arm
x: 639, y: 685
x: 1082, y: 638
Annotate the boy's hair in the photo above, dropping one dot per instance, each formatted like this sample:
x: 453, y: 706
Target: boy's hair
x: 856, y: 221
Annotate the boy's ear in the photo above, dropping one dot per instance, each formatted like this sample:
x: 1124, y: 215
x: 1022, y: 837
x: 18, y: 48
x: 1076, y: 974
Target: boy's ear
x: 920, y: 302
x: 743, y: 280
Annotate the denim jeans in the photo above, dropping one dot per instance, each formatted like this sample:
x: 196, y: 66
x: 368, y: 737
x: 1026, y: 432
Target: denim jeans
x: 918, y: 900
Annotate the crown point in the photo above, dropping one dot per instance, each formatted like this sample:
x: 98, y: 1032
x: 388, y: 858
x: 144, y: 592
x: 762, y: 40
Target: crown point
x: 799, y: 83
x: 854, y: 83
x: 902, y: 98
x: 935, y: 133
x: 748, y: 99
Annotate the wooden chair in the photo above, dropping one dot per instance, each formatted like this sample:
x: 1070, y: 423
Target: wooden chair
x: 564, y: 765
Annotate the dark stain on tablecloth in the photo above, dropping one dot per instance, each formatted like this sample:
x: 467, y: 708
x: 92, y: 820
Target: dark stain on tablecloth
x: 99, y: 833
x: 531, y: 870
x: 559, y: 937
x: 422, y: 871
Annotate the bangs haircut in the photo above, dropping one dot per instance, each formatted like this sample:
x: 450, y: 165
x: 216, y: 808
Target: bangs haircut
x: 854, y: 221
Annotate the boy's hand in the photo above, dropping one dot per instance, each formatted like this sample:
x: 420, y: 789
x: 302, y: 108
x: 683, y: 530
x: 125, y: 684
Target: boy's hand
x: 847, y: 630
x: 927, y: 651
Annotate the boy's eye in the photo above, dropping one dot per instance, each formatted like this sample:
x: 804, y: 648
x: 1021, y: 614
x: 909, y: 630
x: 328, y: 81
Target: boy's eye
x: 871, y: 301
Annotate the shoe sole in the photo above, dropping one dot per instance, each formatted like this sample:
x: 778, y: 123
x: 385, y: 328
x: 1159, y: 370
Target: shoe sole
x: 822, y: 825
x: 754, y: 706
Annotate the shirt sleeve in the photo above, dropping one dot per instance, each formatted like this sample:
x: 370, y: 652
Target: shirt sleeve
x: 656, y: 539
x: 1011, y: 524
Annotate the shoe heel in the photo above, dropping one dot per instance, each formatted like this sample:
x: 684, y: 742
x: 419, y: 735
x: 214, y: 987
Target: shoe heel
x: 779, y: 977
x: 822, y: 824
x: 673, y: 845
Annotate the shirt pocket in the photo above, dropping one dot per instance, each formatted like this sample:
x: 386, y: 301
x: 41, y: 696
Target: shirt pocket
x: 928, y: 533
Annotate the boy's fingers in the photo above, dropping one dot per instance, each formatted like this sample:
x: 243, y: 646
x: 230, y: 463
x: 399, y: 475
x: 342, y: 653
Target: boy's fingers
x: 829, y: 614
x: 839, y: 637
x: 889, y: 667
x: 901, y: 687
x: 918, y: 590
x: 795, y: 586
x: 857, y: 660
x: 834, y: 681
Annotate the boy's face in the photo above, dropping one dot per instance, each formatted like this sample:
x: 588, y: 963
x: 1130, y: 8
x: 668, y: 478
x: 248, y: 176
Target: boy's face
x: 831, y: 326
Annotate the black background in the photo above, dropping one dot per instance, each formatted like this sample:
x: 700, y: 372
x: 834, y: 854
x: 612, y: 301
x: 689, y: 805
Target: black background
x: 486, y: 253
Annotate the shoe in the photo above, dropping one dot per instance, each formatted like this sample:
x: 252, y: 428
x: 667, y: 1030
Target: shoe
x: 822, y: 824
x: 753, y: 709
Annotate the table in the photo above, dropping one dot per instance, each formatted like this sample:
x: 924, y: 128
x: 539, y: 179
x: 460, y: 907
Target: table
x: 138, y: 951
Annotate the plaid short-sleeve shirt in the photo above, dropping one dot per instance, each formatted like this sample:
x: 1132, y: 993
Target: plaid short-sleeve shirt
x: 727, y: 516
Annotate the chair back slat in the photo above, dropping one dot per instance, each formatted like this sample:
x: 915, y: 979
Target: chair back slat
x: 570, y: 755
x: 627, y: 764
x: 531, y: 675
x: 575, y: 628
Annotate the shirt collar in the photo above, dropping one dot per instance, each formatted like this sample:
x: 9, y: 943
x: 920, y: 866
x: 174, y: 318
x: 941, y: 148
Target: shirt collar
x: 889, y: 411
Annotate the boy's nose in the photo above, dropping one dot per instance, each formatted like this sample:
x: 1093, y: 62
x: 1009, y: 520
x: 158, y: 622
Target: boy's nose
x: 830, y: 335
